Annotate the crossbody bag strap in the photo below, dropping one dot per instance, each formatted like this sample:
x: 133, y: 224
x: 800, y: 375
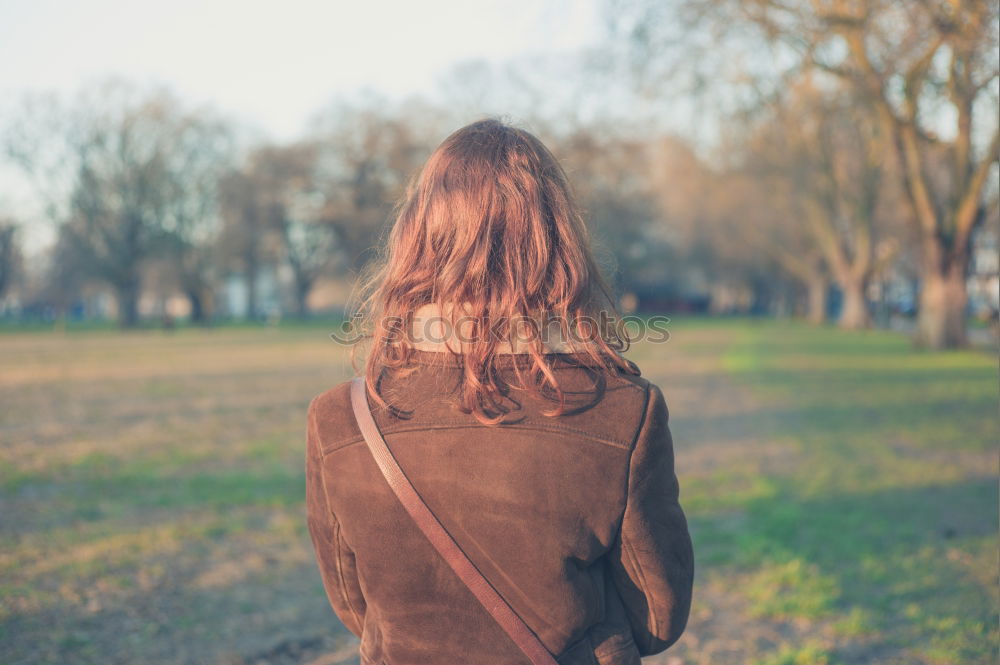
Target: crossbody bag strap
x: 442, y: 541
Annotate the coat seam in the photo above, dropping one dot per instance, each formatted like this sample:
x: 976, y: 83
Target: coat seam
x: 340, y: 574
x: 626, y: 544
x: 336, y: 524
x: 651, y: 623
x: 615, y: 443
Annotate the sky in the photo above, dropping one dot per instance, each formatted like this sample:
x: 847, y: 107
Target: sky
x: 275, y: 64
x: 269, y: 65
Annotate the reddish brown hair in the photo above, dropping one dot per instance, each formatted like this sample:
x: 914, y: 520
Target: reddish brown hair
x: 490, y: 221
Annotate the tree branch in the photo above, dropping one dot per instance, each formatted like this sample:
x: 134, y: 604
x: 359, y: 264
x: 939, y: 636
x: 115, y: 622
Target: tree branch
x: 968, y: 211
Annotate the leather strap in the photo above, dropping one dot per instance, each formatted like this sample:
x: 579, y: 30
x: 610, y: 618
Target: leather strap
x: 498, y: 608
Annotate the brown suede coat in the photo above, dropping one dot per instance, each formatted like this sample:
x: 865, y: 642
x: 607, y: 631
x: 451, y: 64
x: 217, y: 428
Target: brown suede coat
x: 575, y: 520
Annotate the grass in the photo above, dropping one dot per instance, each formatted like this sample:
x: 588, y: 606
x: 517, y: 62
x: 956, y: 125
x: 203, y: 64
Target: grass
x: 841, y: 489
x: 885, y: 524
x: 72, y: 325
x: 152, y: 486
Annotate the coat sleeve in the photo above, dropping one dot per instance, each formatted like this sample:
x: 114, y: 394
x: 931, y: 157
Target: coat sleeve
x: 336, y: 560
x: 652, y: 561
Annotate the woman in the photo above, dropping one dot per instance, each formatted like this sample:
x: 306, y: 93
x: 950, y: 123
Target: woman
x: 497, y: 382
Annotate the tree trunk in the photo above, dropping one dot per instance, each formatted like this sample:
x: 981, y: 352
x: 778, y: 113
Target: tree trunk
x: 854, y: 314
x: 251, y: 278
x: 127, y: 296
x: 197, y: 306
x: 941, y: 314
x: 302, y: 289
x: 818, y: 289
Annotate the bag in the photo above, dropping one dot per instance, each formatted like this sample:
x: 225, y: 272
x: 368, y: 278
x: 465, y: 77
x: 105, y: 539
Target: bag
x: 442, y: 541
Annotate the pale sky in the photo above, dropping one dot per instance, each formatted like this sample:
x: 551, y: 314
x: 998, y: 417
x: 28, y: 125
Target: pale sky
x: 271, y: 65
x: 275, y: 64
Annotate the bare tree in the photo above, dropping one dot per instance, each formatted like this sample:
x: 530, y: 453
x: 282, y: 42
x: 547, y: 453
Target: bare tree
x: 827, y: 148
x: 292, y: 202
x: 105, y: 165
x: 367, y: 155
x: 609, y: 176
x: 10, y: 255
x: 65, y: 275
x: 199, y: 156
x: 118, y: 203
x: 245, y: 237
x: 930, y: 71
x: 963, y: 36
x: 754, y: 214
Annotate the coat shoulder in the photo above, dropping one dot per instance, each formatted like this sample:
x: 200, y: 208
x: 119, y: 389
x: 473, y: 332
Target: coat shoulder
x: 331, y: 416
x: 647, y: 394
x: 635, y: 383
x: 336, y: 397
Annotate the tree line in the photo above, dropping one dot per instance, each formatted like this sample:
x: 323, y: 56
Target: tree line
x: 861, y: 143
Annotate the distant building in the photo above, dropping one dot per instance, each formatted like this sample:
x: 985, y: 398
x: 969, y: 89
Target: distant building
x: 271, y: 286
x: 984, y: 275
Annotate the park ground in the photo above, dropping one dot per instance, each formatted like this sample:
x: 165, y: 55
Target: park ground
x: 841, y: 489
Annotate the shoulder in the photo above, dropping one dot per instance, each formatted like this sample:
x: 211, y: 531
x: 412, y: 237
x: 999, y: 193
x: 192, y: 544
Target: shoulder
x: 331, y: 417
x: 331, y: 399
x: 616, y: 411
x: 633, y: 378
x: 649, y: 400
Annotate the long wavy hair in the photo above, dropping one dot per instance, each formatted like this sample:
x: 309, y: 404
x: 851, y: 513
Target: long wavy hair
x: 489, y: 228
